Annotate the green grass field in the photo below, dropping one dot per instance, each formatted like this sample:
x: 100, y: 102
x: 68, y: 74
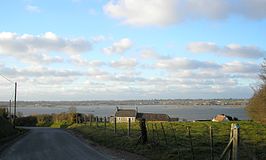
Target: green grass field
x: 252, y: 139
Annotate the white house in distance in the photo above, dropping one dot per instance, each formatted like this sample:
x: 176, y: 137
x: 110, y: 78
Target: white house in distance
x: 123, y: 115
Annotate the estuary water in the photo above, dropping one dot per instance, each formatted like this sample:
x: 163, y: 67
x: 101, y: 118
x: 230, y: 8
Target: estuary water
x: 182, y: 112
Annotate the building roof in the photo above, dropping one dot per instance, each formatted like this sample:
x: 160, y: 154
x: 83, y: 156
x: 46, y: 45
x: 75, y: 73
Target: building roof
x: 126, y: 113
x: 222, y: 117
x: 153, y: 117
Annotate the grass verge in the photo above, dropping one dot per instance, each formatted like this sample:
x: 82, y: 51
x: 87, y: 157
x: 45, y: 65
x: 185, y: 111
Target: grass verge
x: 8, y: 133
x: 176, y: 144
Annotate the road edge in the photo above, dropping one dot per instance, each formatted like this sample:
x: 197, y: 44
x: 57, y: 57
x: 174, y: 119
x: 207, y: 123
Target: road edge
x: 11, y: 140
x: 114, y: 153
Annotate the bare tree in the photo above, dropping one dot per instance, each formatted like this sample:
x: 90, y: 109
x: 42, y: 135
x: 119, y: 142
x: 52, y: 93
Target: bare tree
x: 257, y: 104
x: 263, y: 72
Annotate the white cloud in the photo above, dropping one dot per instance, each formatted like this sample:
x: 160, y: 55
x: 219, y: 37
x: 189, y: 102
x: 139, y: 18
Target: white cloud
x: 118, y: 47
x: 167, y: 12
x: 183, y: 77
x: 98, y: 74
x: 36, y: 48
x: 37, y: 71
x: 255, y: 9
x: 236, y: 50
x: 183, y: 68
x: 175, y: 64
x: 32, y: 8
x: 240, y: 67
x: 149, y: 54
x: 209, y: 9
x: 38, y: 82
x: 124, y: 63
x: 179, y: 87
x: 198, y: 47
x: 230, y: 50
x: 77, y: 59
x: 198, y: 74
x: 148, y: 12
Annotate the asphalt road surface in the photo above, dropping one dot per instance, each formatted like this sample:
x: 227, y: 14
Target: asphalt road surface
x: 51, y: 144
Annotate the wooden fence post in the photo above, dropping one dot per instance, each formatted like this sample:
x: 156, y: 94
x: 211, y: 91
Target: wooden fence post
x: 164, y: 133
x: 129, y: 127
x: 115, y: 126
x: 191, y: 145
x: 96, y: 121
x: 84, y: 119
x: 90, y: 120
x: 211, y: 142
x: 231, y: 136
x: 144, y: 136
x: 10, y: 111
x: 232, y: 147
x: 235, y: 142
x: 105, y: 123
x: 105, y: 137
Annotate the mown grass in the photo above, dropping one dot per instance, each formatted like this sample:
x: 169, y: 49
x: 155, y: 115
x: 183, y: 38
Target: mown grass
x: 252, y: 139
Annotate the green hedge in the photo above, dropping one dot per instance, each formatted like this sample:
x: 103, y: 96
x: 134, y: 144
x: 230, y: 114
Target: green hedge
x: 6, y: 129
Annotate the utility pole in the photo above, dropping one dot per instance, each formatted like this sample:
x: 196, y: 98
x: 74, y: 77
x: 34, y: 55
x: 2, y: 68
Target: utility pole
x: 10, y: 112
x: 15, y: 105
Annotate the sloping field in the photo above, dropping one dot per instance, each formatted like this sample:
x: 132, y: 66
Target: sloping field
x: 175, y: 142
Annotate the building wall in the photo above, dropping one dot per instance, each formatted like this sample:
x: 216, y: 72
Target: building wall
x: 125, y: 119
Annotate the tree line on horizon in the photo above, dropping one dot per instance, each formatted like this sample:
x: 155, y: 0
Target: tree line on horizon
x: 58, y: 120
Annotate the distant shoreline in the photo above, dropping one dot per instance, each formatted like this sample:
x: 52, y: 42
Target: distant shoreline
x: 123, y: 105
x: 178, y: 102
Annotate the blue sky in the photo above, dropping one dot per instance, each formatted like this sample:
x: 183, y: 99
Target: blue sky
x: 131, y: 49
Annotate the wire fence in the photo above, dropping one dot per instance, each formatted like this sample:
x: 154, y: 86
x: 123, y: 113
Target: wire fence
x: 183, y: 140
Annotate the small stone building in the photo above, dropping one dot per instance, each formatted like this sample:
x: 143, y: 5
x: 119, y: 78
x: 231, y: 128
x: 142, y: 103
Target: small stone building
x: 123, y: 115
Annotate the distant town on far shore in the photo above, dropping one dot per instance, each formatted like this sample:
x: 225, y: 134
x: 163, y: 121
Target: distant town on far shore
x: 230, y: 102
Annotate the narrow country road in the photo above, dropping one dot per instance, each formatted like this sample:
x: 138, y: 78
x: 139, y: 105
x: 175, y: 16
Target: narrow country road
x: 51, y: 144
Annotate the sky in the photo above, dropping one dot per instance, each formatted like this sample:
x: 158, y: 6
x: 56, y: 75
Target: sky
x: 130, y: 49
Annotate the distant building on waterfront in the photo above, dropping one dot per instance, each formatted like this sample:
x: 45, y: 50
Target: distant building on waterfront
x: 223, y: 118
x: 123, y: 115
x: 153, y: 117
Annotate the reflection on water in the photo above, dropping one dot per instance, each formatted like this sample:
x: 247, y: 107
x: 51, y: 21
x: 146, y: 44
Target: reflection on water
x: 187, y: 112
